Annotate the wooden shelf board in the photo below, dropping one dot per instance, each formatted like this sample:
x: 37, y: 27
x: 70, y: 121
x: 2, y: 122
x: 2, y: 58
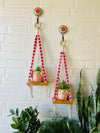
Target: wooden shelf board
x: 37, y: 83
x: 61, y: 102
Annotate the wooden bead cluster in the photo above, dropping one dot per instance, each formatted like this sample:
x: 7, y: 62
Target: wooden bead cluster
x: 62, y: 54
x: 37, y: 40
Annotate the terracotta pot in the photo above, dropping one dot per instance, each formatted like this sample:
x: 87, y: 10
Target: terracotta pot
x: 62, y: 94
x: 37, y: 76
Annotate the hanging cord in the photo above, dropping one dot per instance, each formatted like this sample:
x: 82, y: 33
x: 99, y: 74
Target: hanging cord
x: 63, y: 42
x: 37, y: 25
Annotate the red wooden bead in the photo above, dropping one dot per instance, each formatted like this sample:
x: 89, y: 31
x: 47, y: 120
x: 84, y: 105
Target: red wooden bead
x: 44, y: 76
x: 41, y: 54
x: 28, y: 79
x: 54, y: 93
x: 38, y: 35
x: 61, y: 52
x: 29, y: 76
x: 35, y: 41
x: 68, y: 84
x: 40, y: 48
x: 56, y: 84
x: 56, y: 80
x: 60, y: 59
x: 54, y: 97
x: 43, y: 73
x: 30, y: 69
x: 57, y: 74
x: 39, y: 44
x: 65, y: 65
x: 64, y: 56
x: 67, y: 80
x: 59, y: 62
x: 33, y: 50
x: 35, y: 38
x: 45, y: 79
x: 58, y: 71
x: 70, y: 98
x: 29, y: 73
x: 42, y: 66
x: 34, y: 45
x: 57, y: 77
x: 66, y: 77
x: 69, y: 90
x: 59, y: 68
x: 31, y: 63
x: 41, y: 57
x: 30, y: 66
x: 42, y: 63
x: 55, y: 90
x: 39, y: 41
x: 69, y: 94
x: 38, y: 38
x: 65, y: 68
x: 43, y: 70
x: 32, y: 60
x: 65, y: 71
x: 41, y: 60
x: 66, y: 74
x: 55, y: 87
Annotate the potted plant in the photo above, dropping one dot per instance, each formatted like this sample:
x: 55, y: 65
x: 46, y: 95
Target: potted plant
x: 37, y: 75
x: 62, y: 90
x: 26, y: 121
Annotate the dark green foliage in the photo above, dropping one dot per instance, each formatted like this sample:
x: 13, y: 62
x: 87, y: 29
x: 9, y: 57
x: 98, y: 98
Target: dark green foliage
x: 89, y: 109
x: 57, y: 126
x: 26, y: 122
x: 38, y: 68
x: 62, y: 85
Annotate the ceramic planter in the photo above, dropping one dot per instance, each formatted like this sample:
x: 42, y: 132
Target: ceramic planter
x: 62, y: 94
x: 37, y: 76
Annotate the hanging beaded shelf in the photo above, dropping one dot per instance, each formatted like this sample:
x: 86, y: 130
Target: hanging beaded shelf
x: 62, y: 30
x: 37, y: 41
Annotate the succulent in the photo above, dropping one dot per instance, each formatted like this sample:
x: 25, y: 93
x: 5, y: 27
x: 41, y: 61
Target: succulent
x: 38, y: 68
x: 62, y: 85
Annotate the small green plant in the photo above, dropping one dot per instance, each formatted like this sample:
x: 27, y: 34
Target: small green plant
x: 38, y: 68
x: 62, y: 85
x: 26, y: 121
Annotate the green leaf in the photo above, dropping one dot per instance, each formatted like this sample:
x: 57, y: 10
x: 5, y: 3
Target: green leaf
x: 12, y: 111
x: 14, y: 126
x: 15, y: 120
x: 17, y: 111
x: 24, y: 126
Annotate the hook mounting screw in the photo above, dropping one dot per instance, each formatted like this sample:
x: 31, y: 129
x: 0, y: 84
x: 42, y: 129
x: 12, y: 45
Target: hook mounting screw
x: 37, y: 11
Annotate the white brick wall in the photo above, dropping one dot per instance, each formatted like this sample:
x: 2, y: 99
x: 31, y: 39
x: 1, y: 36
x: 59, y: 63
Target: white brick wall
x: 16, y: 40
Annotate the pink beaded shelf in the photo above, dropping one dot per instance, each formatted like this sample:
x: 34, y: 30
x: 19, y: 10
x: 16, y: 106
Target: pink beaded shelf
x: 30, y: 82
x: 54, y: 100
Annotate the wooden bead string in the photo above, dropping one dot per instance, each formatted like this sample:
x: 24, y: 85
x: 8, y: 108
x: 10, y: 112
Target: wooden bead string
x: 33, y: 54
x: 62, y: 55
x: 37, y: 40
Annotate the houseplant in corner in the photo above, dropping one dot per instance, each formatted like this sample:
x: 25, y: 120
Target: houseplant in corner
x: 37, y: 74
x: 26, y: 121
x: 62, y: 90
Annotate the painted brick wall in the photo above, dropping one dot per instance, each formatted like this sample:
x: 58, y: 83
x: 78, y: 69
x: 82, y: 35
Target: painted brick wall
x: 16, y: 40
